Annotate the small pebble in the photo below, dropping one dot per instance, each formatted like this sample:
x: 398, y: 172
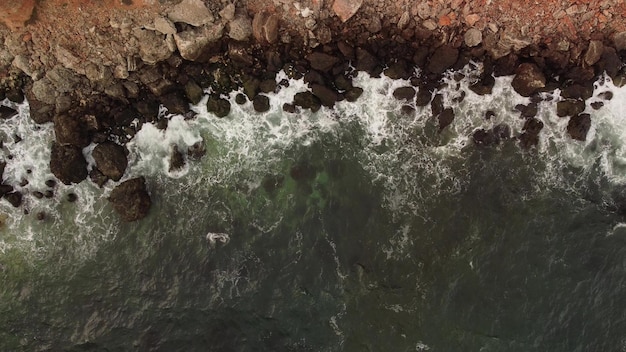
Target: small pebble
x: 48, y: 194
x: 72, y: 197
x: 51, y: 183
x: 41, y: 216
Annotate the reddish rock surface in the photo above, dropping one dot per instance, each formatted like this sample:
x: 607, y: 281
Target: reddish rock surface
x: 14, y: 13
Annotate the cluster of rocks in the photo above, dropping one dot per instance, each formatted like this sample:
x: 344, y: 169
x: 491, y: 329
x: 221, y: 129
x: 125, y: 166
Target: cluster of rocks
x: 193, y: 48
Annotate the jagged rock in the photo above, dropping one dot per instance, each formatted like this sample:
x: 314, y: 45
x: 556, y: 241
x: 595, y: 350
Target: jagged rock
x: 110, y: 160
x: 153, y: 79
x: 240, y: 28
x: 4, y: 189
x: 423, y: 97
x: 530, y: 136
x: 67, y: 163
x: 64, y: 80
x: 97, y: 177
x: 620, y: 41
x: 194, y: 92
x: 406, y: 93
x: 192, y: 12
x: 442, y: 59
x: 578, y: 126
x: 68, y: 130
x: 177, y: 159
x: 321, y: 61
x: 345, y: 9
x: 594, y: 52
x: 307, y: 100
x: 484, y: 86
x: 527, y: 111
x: 569, y: 107
x: 265, y: 27
x: 131, y: 200
x: 609, y: 62
x: 218, y: 106
x: 327, y: 96
x: 261, y: 103
x: 239, y: 53
x: 473, y: 37
x: 164, y: 25
x: 228, y: 12
x: 445, y: 118
x: 175, y: 102
x: 353, y: 93
x: 194, y: 44
x: 197, y: 150
x: 152, y: 46
x: 528, y: 79
x: 268, y: 86
x: 44, y: 91
x: 15, y: 198
x: 365, y: 61
x: 7, y: 112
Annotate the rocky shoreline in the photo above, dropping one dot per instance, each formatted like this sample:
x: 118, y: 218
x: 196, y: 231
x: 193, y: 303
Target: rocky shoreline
x: 101, y: 88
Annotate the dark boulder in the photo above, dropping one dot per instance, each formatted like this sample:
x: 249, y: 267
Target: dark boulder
x: 404, y: 93
x: 327, y: 96
x: 353, y: 94
x: 307, y: 100
x: 177, y: 159
x: 131, y: 200
x: 578, y: 91
x: 321, y: 61
x: 193, y: 92
x: 530, y: 136
x: 4, y: 189
x: 7, y: 112
x: 197, y: 150
x: 69, y: 130
x: 527, y: 111
x: 67, y: 163
x: 176, y: 102
x: 110, y: 160
x: 97, y: 177
x: 220, y: 107
x: 484, y: 85
x: 436, y: 105
x: 261, y: 103
x: 569, y: 107
x: 578, y: 126
x: 423, y: 96
x: 15, y: 198
x: 528, y: 79
x: 365, y: 61
x: 268, y: 86
x: 445, y: 118
x: 442, y: 59
x: 398, y: 70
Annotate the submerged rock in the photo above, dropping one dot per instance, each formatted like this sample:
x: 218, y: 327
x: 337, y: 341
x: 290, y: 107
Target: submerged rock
x: 131, y: 200
x: 177, y: 159
x: 68, y: 164
x: 7, y: 112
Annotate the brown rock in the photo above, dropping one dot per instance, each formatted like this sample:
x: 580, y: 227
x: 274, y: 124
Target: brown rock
x: 442, y: 59
x: 14, y: 13
x: 404, y: 93
x: 69, y: 130
x: 67, y: 163
x: 345, y: 9
x: 528, y: 79
x: 594, y: 52
x: 131, y: 200
x: 620, y: 41
x: 195, y: 44
x: 265, y: 27
x: 192, y: 12
x: 321, y: 61
x: 578, y: 126
x: 445, y: 118
x: 110, y: 160
x: 327, y: 96
x: 177, y: 159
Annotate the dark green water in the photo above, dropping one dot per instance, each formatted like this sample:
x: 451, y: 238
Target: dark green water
x: 337, y: 243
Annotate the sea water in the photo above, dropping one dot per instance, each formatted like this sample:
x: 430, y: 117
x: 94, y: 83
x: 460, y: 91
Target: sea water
x: 357, y: 228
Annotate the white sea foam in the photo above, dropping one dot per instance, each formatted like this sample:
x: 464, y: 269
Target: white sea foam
x: 397, y: 148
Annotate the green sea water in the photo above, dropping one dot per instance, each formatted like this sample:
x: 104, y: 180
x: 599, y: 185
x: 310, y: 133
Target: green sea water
x: 361, y: 228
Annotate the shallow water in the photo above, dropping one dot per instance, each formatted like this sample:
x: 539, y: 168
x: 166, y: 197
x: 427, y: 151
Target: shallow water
x: 360, y: 228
